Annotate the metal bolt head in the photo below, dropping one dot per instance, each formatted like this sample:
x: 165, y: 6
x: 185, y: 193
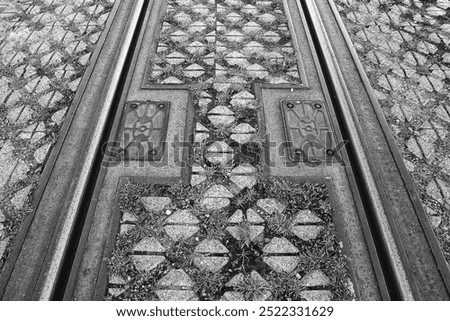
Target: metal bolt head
x: 161, y: 106
x: 330, y: 152
x: 133, y: 106
x: 317, y: 106
x: 290, y: 105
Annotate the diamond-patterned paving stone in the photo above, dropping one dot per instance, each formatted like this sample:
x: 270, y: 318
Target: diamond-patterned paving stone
x: 239, y: 278
x: 115, y: 292
x: 237, y: 217
x: 244, y: 181
x: 211, y: 246
x: 233, y: 17
x: 176, y: 295
x: 171, y: 80
x: 280, y: 245
x: 253, y: 217
x: 219, y: 191
x: 267, y: 18
x: 306, y: 217
x: 243, y: 99
x: 221, y: 116
x: 175, y: 58
x: 197, y: 26
x: 126, y: 228
x: 307, y: 232
x: 182, y: 217
x: 219, y: 152
x: 184, y: 2
x: 149, y: 244
x: 213, y: 204
x: 176, y: 278
x: 251, y: 27
x: 279, y: 80
x: 200, y: 9
x: 314, y: 279
x: 243, y: 169
x: 263, y: 4
x: 271, y: 36
x: 200, y: 128
x: 210, y: 263
x: 197, y: 179
x: 179, y: 36
x: 249, y: 9
x: 253, y: 47
x: 221, y: 110
x: 182, y: 18
x: 205, y: 258
x: 251, y: 232
x: 117, y: 280
x: 234, y: 36
x: 257, y: 71
x: 236, y: 58
x: 147, y: 263
x: 271, y: 205
x: 242, y: 138
x: 243, y: 128
x: 194, y: 71
x: 155, y: 204
x: 180, y: 232
x: 181, y: 225
x: 281, y: 264
x: 196, y: 48
x: 234, y: 3
x: 317, y: 295
x: 200, y: 137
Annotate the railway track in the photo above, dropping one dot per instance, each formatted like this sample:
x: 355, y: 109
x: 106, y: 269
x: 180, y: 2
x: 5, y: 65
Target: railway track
x: 63, y: 248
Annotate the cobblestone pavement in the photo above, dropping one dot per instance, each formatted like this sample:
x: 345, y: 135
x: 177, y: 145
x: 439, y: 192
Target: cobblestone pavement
x: 45, y: 47
x: 404, y: 46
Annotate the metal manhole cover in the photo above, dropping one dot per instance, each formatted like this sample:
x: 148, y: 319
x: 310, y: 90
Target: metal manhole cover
x: 143, y: 131
x: 309, y: 134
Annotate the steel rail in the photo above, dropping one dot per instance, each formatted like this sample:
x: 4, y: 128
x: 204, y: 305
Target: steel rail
x: 363, y: 163
x: 89, y: 162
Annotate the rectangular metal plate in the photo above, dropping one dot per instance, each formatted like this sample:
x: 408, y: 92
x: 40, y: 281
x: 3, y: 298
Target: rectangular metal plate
x: 143, y: 130
x: 308, y: 132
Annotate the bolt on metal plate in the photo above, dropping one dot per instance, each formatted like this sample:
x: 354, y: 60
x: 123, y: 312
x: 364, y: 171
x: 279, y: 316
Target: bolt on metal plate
x: 143, y: 130
x: 309, y: 135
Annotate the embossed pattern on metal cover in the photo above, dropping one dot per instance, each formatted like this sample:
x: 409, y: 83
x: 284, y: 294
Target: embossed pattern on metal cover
x: 309, y: 134
x: 143, y: 130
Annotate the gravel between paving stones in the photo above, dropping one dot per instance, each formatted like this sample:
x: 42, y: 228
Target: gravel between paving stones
x: 45, y: 47
x: 404, y: 47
